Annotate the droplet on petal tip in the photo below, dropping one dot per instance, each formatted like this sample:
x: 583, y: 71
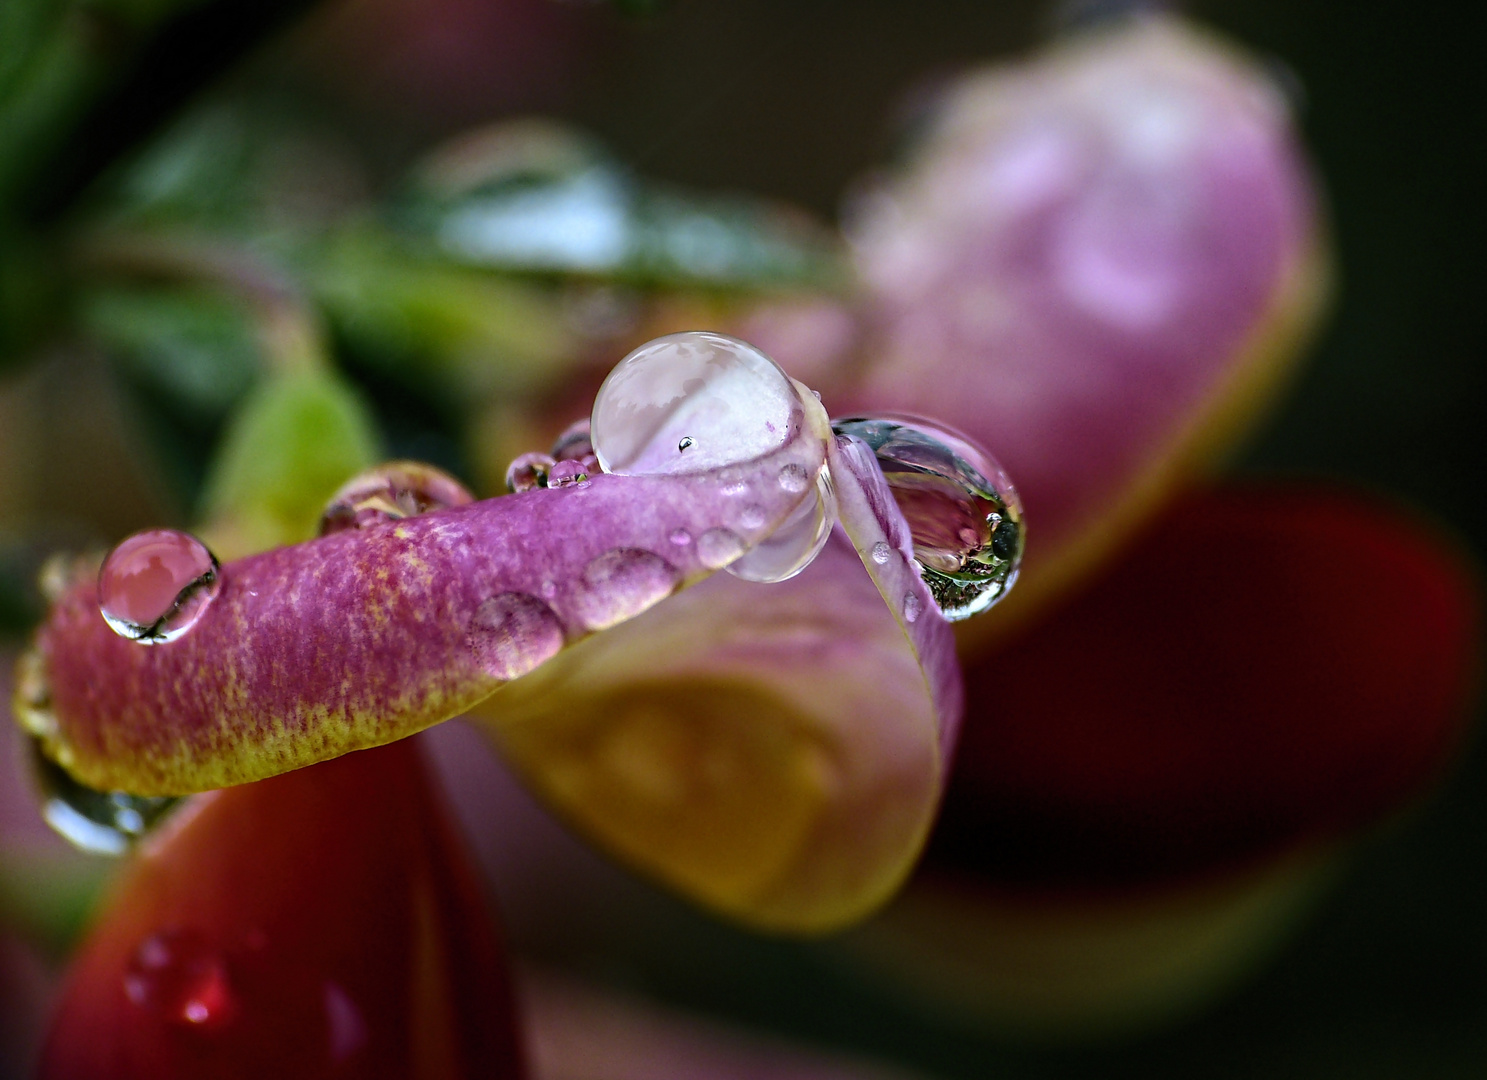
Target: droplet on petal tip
x: 98, y: 822
x: 155, y: 585
x: 962, y: 511
x: 391, y: 492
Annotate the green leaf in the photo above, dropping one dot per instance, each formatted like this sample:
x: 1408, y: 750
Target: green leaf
x: 428, y: 320
x: 294, y: 441
x: 527, y: 200
x: 199, y: 348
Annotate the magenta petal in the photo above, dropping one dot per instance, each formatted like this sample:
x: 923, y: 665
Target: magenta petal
x: 363, y: 637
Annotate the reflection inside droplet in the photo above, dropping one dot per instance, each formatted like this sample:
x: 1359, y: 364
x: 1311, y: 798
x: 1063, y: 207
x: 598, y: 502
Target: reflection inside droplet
x: 99, y: 822
x: 528, y: 472
x: 690, y: 403
x: 962, y: 511
x: 390, y: 492
x: 155, y: 585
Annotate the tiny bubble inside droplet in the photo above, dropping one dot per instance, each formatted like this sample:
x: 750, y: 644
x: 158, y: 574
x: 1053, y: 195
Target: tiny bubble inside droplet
x: 752, y: 516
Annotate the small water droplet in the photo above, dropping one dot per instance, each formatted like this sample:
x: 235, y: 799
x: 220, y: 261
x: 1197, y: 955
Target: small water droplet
x: 881, y: 552
x: 716, y: 548
x: 912, y: 605
x: 528, y: 472
x: 180, y: 977
x: 568, y: 473
x: 794, y: 545
x: 751, y: 516
x: 156, y: 585
x: 962, y: 511
x: 734, y: 488
x: 619, y: 585
x: 513, y: 633
x: 390, y: 492
x: 574, y: 443
x: 549, y: 589
x: 794, y: 478
x: 730, y: 400
x: 99, y: 822
x: 680, y: 537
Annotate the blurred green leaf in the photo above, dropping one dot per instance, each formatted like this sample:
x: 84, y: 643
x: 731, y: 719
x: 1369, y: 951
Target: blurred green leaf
x: 294, y: 441
x: 465, y: 330
x: 524, y: 199
x: 48, y: 897
x: 249, y: 167
x: 196, y: 346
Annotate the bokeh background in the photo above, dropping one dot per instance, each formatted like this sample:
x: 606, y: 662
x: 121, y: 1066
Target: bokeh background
x: 794, y: 99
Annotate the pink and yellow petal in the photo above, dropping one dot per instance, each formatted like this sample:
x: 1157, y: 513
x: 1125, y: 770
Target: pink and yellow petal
x: 1100, y: 263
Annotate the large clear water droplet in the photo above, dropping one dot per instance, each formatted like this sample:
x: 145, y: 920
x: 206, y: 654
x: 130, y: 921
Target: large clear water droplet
x: 156, y: 585
x: 180, y: 977
x: 799, y: 539
x: 690, y: 403
x: 99, y: 822
x: 390, y: 492
x: 962, y: 511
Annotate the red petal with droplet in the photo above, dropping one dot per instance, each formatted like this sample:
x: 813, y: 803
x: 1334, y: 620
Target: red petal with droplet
x: 320, y: 924
x: 1263, y: 668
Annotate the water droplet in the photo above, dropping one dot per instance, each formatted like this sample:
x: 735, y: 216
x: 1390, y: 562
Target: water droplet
x: 962, y: 511
x: 716, y: 548
x: 794, y: 478
x: 529, y: 471
x: 179, y: 976
x: 680, y: 537
x: 911, y: 607
x: 568, y: 473
x: 390, y: 492
x: 156, y: 585
x: 751, y: 516
x: 513, y: 633
x: 881, y: 551
x: 619, y: 585
x: 574, y: 443
x: 733, y: 403
x: 99, y: 822
x: 796, y: 543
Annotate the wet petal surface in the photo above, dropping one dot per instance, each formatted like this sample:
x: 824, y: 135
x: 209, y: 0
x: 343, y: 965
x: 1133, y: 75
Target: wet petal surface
x: 367, y: 635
